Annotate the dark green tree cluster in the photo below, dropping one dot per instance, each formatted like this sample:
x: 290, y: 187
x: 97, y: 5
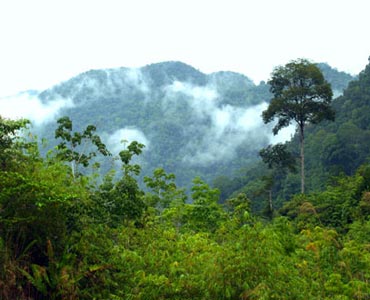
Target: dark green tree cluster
x: 301, y: 95
x: 331, y: 148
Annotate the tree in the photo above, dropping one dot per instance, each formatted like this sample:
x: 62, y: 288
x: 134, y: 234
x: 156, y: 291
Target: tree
x: 163, y: 189
x: 279, y: 160
x: 300, y: 95
x: 39, y: 209
x: 73, y: 146
x: 8, y: 136
x: 204, y: 213
x: 122, y: 201
x: 126, y: 194
x: 278, y: 157
x: 239, y: 208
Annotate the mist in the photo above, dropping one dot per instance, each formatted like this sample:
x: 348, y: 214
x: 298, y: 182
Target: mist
x: 221, y: 129
x: 121, y: 138
x: 27, y: 105
x: 229, y: 126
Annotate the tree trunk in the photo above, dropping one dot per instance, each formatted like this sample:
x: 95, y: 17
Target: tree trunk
x: 73, y: 168
x: 301, y: 140
x: 270, y: 199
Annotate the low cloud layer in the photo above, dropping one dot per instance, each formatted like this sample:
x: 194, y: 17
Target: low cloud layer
x: 29, y: 106
x: 221, y: 129
x: 230, y: 126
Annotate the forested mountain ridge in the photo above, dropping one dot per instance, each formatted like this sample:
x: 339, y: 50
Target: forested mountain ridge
x: 346, y: 141
x: 338, y: 79
x: 191, y: 123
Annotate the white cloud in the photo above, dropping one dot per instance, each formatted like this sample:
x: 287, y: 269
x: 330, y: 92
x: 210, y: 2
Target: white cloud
x: 26, y: 105
x: 135, y: 77
x: 230, y: 126
x: 202, y: 99
x: 124, y: 136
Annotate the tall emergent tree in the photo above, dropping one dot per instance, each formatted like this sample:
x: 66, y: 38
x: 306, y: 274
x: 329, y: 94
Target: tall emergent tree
x: 302, y: 96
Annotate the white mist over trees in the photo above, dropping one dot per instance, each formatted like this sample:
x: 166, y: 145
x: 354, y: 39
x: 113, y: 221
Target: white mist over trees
x: 29, y: 105
x: 191, y: 123
x: 123, y: 136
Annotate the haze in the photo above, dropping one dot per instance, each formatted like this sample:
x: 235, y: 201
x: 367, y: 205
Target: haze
x: 45, y: 42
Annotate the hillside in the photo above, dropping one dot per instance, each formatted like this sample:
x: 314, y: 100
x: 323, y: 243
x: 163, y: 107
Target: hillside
x: 331, y: 149
x: 191, y: 123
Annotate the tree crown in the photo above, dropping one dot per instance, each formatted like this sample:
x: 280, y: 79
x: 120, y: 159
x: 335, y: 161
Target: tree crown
x: 301, y: 94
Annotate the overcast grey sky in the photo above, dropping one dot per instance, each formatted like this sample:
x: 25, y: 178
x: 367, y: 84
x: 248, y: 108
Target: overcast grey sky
x: 46, y: 41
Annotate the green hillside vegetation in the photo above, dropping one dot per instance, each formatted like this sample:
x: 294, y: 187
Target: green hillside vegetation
x: 332, y: 149
x: 338, y: 79
x: 193, y: 124
x: 176, y: 108
x: 65, y: 235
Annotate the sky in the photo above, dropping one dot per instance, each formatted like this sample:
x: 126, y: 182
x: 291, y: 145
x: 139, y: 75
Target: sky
x: 44, y: 42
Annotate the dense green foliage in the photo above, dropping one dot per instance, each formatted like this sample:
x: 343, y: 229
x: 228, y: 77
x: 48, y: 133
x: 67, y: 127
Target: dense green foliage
x: 301, y: 96
x: 193, y: 124
x: 331, y: 149
x: 66, y: 237
x: 72, y: 142
x: 338, y: 80
x: 342, y: 146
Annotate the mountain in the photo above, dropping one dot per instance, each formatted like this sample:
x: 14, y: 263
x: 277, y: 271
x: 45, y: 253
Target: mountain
x: 338, y: 79
x: 191, y: 123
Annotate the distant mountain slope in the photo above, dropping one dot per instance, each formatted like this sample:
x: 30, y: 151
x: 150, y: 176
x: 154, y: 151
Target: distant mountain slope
x: 347, y: 140
x: 191, y: 123
x: 338, y: 79
x: 331, y: 148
